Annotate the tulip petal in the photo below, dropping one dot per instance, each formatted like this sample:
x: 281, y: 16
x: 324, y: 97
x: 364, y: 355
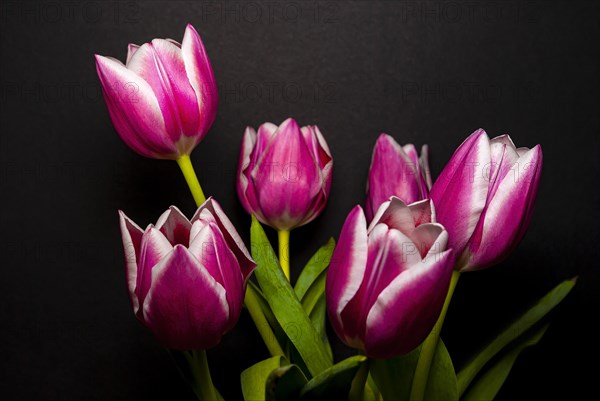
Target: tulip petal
x: 511, y: 209
x: 392, y: 173
x: 201, y: 78
x: 134, y: 110
x: 233, y: 239
x: 347, y: 267
x: 131, y: 234
x: 426, y: 235
x: 287, y: 177
x: 175, y: 226
x: 131, y: 49
x: 185, y: 308
x: 155, y: 246
x: 390, y: 253
x: 503, y: 157
x: 213, y: 252
x: 424, y: 165
x: 406, y: 311
x: 460, y: 192
x: 396, y: 214
x: 161, y: 64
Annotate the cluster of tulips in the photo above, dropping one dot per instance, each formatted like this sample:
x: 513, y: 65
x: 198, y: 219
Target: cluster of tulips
x: 385, y: 286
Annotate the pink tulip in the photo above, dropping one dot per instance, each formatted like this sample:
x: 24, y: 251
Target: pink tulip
x: 163, y: 100
x: 396, y: 171
x: 386, y: 285
x: 485, y: 196
x: 284, y: 174
x: 187, y: 278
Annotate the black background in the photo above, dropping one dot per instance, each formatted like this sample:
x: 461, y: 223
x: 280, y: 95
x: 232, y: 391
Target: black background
x: 428, y: 72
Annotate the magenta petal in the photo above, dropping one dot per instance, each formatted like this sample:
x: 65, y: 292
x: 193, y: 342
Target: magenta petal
x: 134, y: 110
x: 161, y: 64
x: 460, y: 192
x: 175, y: 226
x: 201, y: 78
x: 508, y: 214
x: 155, y: 246
x: 287, y: 177
x: 424, y: 165
x: 407, y: 309
x: 233, y: 239
x: 131, y: 234
x: 211, y: 249
x: 347, y: 267
x: 393, y: 172
x: 186, y: 308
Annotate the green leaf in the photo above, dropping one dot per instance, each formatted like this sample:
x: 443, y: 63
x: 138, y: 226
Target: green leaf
x: 264, y: 306
x: 313, y: 269
x: 285, y: 304
x: 489, y: 382
x: 335, y: 382
x: 441, y: 384
x: 518, y: 327
x: 254, y: 378
x: 394, y: 376
x: 318, y: 317
x: 285, y: 383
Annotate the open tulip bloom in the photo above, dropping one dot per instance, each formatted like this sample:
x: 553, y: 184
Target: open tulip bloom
x: 385, y: 287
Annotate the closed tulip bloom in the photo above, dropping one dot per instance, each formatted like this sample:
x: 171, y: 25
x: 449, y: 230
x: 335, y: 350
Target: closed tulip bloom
x: 163, y: 100
x: 284, y: 174
x: 187, y: 278
x: 386, y: 284
x: 396, y: 171
x: 485, y: 197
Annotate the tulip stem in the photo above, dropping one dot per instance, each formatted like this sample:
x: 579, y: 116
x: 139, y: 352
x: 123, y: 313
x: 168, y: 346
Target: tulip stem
x: 202, y: 382
x: 284, y: 252
x: 357, y: 389
x: 262, y: 325
x: 185, y: 164
x: 429, y: 346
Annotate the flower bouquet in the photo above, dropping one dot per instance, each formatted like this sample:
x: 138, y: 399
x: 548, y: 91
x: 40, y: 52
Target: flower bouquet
x: 385, y: 287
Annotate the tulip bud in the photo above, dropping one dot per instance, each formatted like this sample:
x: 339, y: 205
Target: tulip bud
x: 187, y: 278
x: 164, y: 99
x: 386, y: 285
x: 485, y: 196
x: 284, y: 174
x: 396, y: 171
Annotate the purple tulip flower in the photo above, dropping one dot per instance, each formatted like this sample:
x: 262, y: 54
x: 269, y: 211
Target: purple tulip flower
x: 163, y: 100
x: 386, y: 284
x: 187, y: 278
x: 284, y: 174
x: 485, y: 197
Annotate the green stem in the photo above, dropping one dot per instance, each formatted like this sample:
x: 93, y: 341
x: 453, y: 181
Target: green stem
x: 284, y: 252
x: 357, y: 390
x: 262, y: 325
x: 185, y: 164
x: 429, y: 346
x: 202, y: 382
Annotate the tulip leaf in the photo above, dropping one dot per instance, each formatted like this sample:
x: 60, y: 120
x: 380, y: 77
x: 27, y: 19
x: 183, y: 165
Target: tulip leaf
x: 489, y: 382
x: 513, y: 331
x: 254, y: 379
x: 266, y: 309
x: 313, y: 269
x: 285, y: 383
x: 335, y: 382
x: 394, y: 376
x: 441, y: 384
x: 318, y: 316
x: 285, y: 304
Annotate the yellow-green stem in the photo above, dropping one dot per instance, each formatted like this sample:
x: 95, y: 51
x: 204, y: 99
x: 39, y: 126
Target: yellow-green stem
x: 262, y: 325
x: 429, y: 346
x: 202, y: 382
x: 284, y: 252
x: 357, y: 389
x: 185, y: 164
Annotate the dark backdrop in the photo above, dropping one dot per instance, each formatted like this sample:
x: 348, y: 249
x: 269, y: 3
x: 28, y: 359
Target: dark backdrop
x: 424, y: 72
